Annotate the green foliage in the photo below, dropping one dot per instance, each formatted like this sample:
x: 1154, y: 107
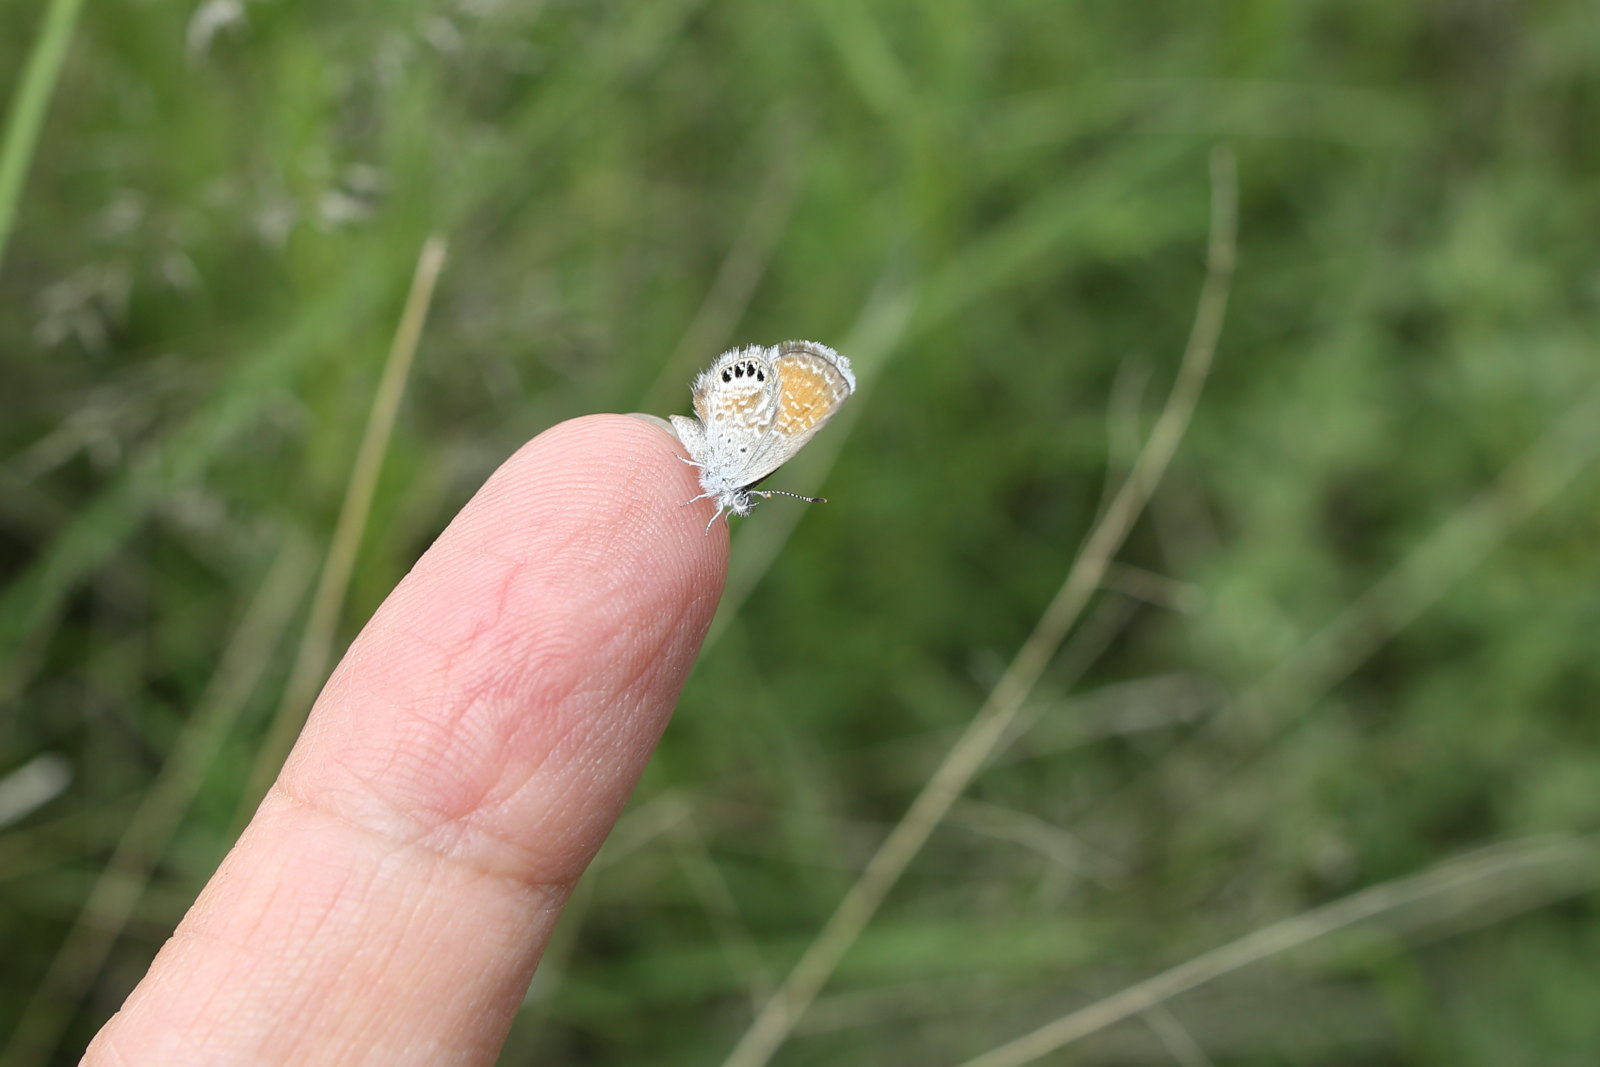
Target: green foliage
x: 1351, y: 640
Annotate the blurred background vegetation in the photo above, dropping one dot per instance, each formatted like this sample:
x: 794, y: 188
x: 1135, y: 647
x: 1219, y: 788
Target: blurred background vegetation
x: 1344, y: 661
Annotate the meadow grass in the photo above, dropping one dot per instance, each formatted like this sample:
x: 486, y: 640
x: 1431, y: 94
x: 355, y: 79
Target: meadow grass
x: 1305, y: 775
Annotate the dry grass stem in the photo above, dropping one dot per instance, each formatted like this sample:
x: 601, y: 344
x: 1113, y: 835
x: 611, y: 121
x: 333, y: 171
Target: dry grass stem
x: 1486, y: 869
x: 327, y: 602
x: 778, y: 1016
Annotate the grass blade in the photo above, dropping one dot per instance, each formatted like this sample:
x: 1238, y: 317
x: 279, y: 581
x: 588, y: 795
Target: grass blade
x: 28, y: 107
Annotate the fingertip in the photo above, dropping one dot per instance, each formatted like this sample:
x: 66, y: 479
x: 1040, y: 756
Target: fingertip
x: 631, y: 471
x: 654, y: 420
x: 563, y: 607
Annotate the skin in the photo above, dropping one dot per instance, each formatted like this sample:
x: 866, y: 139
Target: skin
x: 390, y: 899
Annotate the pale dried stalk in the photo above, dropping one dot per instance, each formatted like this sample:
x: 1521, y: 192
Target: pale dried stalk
x: 316, y: 642
x: 783, y: 1010
x: 1488, y: 866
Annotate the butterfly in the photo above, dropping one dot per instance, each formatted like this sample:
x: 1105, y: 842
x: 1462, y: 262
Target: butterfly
x: 756, y: 407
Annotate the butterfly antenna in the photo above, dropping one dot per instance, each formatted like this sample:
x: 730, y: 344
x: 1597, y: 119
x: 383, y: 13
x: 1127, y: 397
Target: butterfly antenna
x: 768, y: 494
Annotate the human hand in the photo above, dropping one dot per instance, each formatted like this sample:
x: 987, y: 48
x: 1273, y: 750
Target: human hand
x: 390, y: 899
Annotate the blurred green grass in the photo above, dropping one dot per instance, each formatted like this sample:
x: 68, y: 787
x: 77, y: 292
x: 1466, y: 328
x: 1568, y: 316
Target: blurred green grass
x: 1349, y: 642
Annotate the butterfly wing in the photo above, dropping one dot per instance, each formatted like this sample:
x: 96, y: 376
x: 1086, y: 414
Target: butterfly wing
x: 812, y: 382
x: 737, y: 403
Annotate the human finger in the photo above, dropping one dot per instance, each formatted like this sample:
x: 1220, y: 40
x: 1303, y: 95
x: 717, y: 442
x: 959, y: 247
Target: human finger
x: 389, y: 900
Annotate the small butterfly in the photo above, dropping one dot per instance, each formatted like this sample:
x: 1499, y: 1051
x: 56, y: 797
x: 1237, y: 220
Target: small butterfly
x: 758, y: 406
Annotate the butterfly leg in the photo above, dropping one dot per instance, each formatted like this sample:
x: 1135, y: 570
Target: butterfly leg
x: 692, y: 499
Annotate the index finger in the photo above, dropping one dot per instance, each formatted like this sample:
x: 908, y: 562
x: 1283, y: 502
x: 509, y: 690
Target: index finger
x: 390, y: 899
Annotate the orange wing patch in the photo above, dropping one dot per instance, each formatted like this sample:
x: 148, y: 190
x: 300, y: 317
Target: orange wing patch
x: 807, y: 394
